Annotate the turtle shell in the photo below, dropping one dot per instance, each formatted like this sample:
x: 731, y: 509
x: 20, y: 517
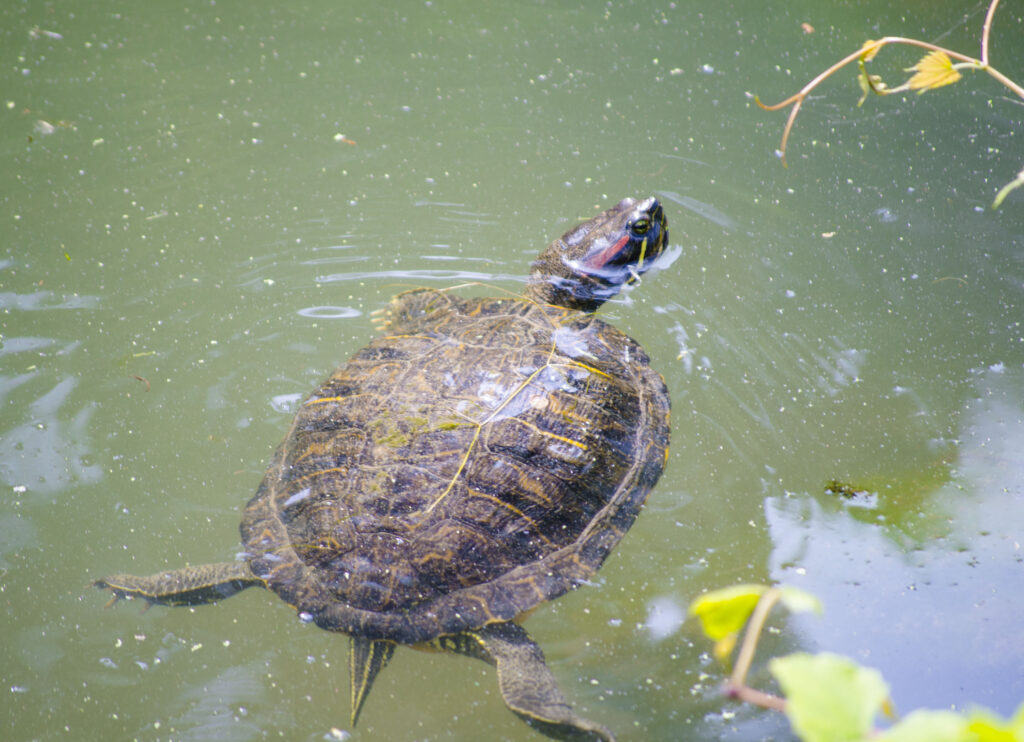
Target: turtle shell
x: 481, y: 457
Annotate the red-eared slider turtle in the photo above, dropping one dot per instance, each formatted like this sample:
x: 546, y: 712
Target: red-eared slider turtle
x: 481, y: 457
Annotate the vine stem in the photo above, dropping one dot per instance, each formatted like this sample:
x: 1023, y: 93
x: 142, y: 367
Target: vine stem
x: 985, y: 29
x: 736, y: 686
x: 872, y: 48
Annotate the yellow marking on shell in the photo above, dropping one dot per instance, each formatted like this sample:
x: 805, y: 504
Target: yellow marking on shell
x: 320, y: 473
x: 548, y: 434
x: 406, y: 337
x: 519, y: 513
x: 314, y: 449
x: 591, y: 369
x: 476, y: 433
x: 570, y: 441
x: 559, y: 407
x: 328, y: 400
x: 494, y: 413
x: 533, y: 489
x: 462, y: 465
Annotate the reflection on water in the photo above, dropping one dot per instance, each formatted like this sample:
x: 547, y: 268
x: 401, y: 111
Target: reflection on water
x: 939, y: 559
x: 700, y: 208
x: 191, y: 245
x: 219, y: 707
x: 50, y: 449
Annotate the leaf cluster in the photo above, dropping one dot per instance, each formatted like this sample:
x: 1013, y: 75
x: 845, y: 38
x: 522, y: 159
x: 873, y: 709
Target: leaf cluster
x: 937, y: 68
x: 827, y: 697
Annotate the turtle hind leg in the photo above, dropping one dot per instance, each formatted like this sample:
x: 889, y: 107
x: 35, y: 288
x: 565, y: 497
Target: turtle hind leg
x: 526, y: 683
x: 189, y: 586
x: 367, y: 657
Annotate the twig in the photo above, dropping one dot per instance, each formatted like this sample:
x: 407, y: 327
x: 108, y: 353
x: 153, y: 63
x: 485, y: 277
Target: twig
x: 736, y: 686
x: 870, y: 49
x: 985, y: 29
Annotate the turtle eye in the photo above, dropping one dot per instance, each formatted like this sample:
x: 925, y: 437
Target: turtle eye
x: 640, y: 227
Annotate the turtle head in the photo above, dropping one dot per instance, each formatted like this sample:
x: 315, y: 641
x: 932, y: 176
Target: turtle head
x: 590, y: 263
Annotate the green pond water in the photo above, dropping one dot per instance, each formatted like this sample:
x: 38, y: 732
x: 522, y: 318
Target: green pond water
x: 203, y: 205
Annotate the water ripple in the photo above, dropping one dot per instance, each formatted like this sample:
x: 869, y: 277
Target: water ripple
x: 329, y: 312
x: 421, y: 275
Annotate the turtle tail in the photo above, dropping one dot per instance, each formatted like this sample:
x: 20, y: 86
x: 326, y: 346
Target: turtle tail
x: 367, y: 657
x: 188, y: 586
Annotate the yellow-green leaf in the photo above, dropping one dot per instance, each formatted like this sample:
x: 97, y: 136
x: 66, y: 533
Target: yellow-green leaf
x: 829, y: 698
x: 929, y: 726
x: 869, y: 50
x: 987, y: 727
x: 869, y: 83
x: 724, y: 646
x: 933, y: 71
x: 799, y: 601
x: 724, y: 612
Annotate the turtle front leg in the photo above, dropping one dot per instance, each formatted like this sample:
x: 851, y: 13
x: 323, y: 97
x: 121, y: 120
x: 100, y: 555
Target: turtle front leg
x: 188, y: 586
x: 526, y: 683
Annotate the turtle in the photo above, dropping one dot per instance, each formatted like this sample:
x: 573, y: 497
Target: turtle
x: 480, y: 457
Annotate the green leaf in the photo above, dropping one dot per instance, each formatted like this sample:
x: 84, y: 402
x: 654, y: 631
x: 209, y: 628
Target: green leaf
x: 724, y: 612
x: 987, y: 727
x: 933, y: 71
x: 929, y: 726
x: 829, y: 698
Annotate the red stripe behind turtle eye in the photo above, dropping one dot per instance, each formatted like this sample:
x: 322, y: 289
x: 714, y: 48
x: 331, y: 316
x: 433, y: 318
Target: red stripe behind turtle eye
x: 605, y: 256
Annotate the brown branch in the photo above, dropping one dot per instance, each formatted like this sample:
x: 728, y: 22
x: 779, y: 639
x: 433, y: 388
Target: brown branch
x: 752, y: 635
x: 868, y: 51
x: 758, y: 698
x: 736, y: 686
x: 812, y: 84
x: 985, y: 29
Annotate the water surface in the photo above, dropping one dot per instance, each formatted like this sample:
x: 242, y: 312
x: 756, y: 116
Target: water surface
x: 222, y: 195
